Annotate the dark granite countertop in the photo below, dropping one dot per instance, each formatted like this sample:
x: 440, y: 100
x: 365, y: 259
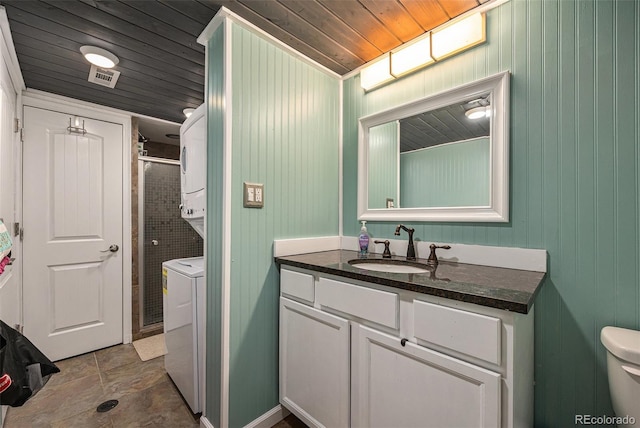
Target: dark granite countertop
x: 508, y: 289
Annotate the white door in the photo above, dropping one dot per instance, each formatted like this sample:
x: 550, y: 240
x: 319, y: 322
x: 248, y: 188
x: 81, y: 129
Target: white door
x: 411, y: 386
x: 9, y: 280
x: 314, y: 365
x: 72, y: 213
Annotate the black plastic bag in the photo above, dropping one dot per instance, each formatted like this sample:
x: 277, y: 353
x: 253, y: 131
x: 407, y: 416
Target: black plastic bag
x: 23, y: 368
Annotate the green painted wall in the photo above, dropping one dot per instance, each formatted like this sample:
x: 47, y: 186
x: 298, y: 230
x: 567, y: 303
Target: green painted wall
x: 460, y: 172
x: 285, y: 135
x: 575, y: 180
x: 215, y: 227
x: 383, y: 164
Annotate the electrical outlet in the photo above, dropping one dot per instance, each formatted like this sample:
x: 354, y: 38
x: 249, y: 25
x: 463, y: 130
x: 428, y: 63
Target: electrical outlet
x: 253, y: 195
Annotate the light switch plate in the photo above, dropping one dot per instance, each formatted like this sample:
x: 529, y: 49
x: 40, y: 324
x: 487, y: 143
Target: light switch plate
x: 253, y: 195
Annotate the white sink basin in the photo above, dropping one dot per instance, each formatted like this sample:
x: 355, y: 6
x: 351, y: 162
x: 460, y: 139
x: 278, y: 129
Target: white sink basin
x: 387, y: 266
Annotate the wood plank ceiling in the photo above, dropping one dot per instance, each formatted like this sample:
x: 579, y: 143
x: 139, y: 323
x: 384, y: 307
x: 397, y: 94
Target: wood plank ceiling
x: 441, y: 126
x: 162, y: 65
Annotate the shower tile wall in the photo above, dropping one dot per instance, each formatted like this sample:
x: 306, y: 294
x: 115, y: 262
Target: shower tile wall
x: 163, y: 223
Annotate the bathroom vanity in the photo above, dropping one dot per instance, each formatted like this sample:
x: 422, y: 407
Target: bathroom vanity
x: 451, y: 347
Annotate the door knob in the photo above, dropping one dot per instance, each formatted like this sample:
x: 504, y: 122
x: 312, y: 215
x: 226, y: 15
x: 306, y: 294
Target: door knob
x: 113, y: 248
x: 154, y: 242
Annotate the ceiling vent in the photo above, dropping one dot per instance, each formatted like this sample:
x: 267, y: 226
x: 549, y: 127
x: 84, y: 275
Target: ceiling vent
x: 103, y: 76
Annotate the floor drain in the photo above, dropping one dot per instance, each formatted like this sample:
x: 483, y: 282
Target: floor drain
x: 107, y: 405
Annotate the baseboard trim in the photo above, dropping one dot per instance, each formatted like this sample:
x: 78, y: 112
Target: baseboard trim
x: 270, y: 418
x: 267, y: 420
x: 204, y: 422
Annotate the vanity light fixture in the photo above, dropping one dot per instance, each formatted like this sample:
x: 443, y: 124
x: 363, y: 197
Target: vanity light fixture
x: 98, y: 56
x: 414, y: 55
x: 376, y: 73
x: 450, y: 39
x: 187, y: 112
x: 442, y: 42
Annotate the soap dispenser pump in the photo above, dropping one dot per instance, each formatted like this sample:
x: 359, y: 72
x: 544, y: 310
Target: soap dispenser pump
x: 363, y: 240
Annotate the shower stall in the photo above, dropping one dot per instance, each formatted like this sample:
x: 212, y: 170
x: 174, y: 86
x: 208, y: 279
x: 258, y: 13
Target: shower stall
x: 163, y: 234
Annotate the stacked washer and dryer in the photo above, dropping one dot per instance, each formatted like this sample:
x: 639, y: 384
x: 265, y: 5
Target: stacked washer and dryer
x: 183, y: 283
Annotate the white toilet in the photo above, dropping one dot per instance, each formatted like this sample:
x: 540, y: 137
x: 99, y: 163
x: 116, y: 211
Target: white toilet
x: 623, y: 369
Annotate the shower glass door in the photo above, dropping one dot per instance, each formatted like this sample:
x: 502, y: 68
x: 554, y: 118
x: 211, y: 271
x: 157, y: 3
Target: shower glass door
x: 163, y: 233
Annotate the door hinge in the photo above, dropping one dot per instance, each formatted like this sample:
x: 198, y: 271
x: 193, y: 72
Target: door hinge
x: 18, y: 231
x: 17, y: 127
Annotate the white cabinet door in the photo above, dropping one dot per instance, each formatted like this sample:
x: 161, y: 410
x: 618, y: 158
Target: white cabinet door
x: 412, y: 386
x: 314, y: 365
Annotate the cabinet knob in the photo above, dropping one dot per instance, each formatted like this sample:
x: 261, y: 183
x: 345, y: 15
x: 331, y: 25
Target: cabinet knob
x: 403, y: 342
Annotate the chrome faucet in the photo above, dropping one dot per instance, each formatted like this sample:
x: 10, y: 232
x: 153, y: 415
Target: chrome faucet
x: 411, y: 250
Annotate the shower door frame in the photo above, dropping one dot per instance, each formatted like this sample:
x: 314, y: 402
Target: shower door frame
x: 141, y: 237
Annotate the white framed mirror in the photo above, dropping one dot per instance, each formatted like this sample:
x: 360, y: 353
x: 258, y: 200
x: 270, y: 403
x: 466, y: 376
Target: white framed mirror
x: 441, y: 158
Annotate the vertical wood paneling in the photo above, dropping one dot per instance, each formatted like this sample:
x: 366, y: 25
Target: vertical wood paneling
x: 550, y: 349
x: 384, y: 151
x: 606, y: 192
x: 626, y: 147
x: 636, y: 136
x: 285, y: 135
x: 582, y: 304
x: 460, y: 172
x: 575, y: 182
x: 519, y: 109
x: 534, y: 124
x: 215, y: 225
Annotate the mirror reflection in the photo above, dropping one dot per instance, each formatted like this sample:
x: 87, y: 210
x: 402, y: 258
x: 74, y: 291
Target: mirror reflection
x: 444, y: 157
x: 436, y: 158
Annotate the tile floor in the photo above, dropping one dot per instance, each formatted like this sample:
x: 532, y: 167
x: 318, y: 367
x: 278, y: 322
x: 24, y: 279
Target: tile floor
x: 146, y: 395
x: 290, y: 422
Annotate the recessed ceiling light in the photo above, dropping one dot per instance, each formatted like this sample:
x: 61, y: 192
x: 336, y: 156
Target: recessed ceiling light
x: 99, y: 56
x: 477, y: 113
x: 187, y: 112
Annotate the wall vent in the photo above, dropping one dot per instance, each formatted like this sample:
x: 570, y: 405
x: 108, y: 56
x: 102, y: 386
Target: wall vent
x: 103, y: 76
